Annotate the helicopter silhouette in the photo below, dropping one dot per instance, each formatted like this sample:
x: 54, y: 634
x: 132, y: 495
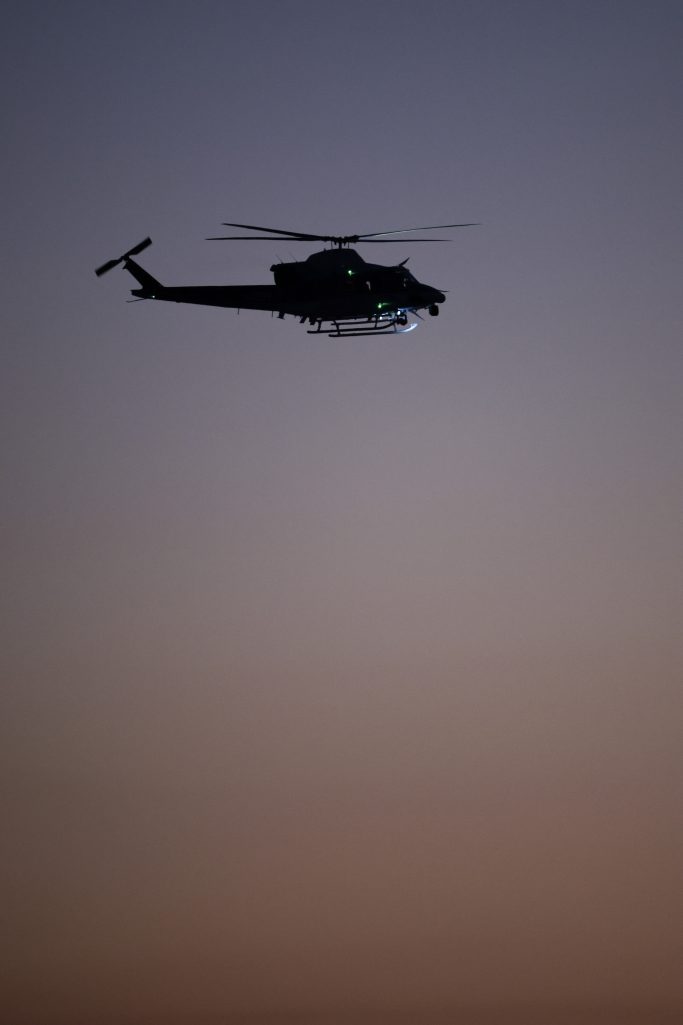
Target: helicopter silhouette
x: 335, y: 291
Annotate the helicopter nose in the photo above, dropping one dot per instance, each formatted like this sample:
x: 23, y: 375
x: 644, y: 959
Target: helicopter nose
x: 434, y: 295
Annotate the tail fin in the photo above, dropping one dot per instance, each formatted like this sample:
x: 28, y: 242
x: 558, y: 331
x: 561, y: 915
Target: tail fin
x: 150, y: 285
x: 110, y: 264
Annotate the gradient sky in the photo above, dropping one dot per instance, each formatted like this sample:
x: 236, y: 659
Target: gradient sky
x: 343, y: 678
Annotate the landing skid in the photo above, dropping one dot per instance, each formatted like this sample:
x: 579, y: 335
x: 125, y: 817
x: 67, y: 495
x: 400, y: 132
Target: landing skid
x: 391, y: 323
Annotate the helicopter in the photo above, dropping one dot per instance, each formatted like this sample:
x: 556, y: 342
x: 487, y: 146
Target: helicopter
x: 335, y: 291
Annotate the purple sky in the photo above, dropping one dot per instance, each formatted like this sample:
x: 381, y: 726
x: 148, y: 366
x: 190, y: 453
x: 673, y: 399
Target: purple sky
x: 343, y: 678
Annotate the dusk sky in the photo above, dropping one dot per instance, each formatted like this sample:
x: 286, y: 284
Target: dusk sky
x: 342, y: 678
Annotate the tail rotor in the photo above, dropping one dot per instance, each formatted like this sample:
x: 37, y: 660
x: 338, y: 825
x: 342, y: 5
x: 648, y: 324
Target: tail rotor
x: 110, y: 264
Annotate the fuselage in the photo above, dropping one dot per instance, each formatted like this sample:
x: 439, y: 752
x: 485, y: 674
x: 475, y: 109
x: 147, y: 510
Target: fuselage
x: 335, y: 284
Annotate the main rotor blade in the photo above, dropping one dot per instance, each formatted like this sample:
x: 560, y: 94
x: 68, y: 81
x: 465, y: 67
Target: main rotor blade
x: 339, y: 240
x: 274, y: 231
x: 425, y: 227
x: 402, y: 241
x: 317, y: 238
x: 263, y: 238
